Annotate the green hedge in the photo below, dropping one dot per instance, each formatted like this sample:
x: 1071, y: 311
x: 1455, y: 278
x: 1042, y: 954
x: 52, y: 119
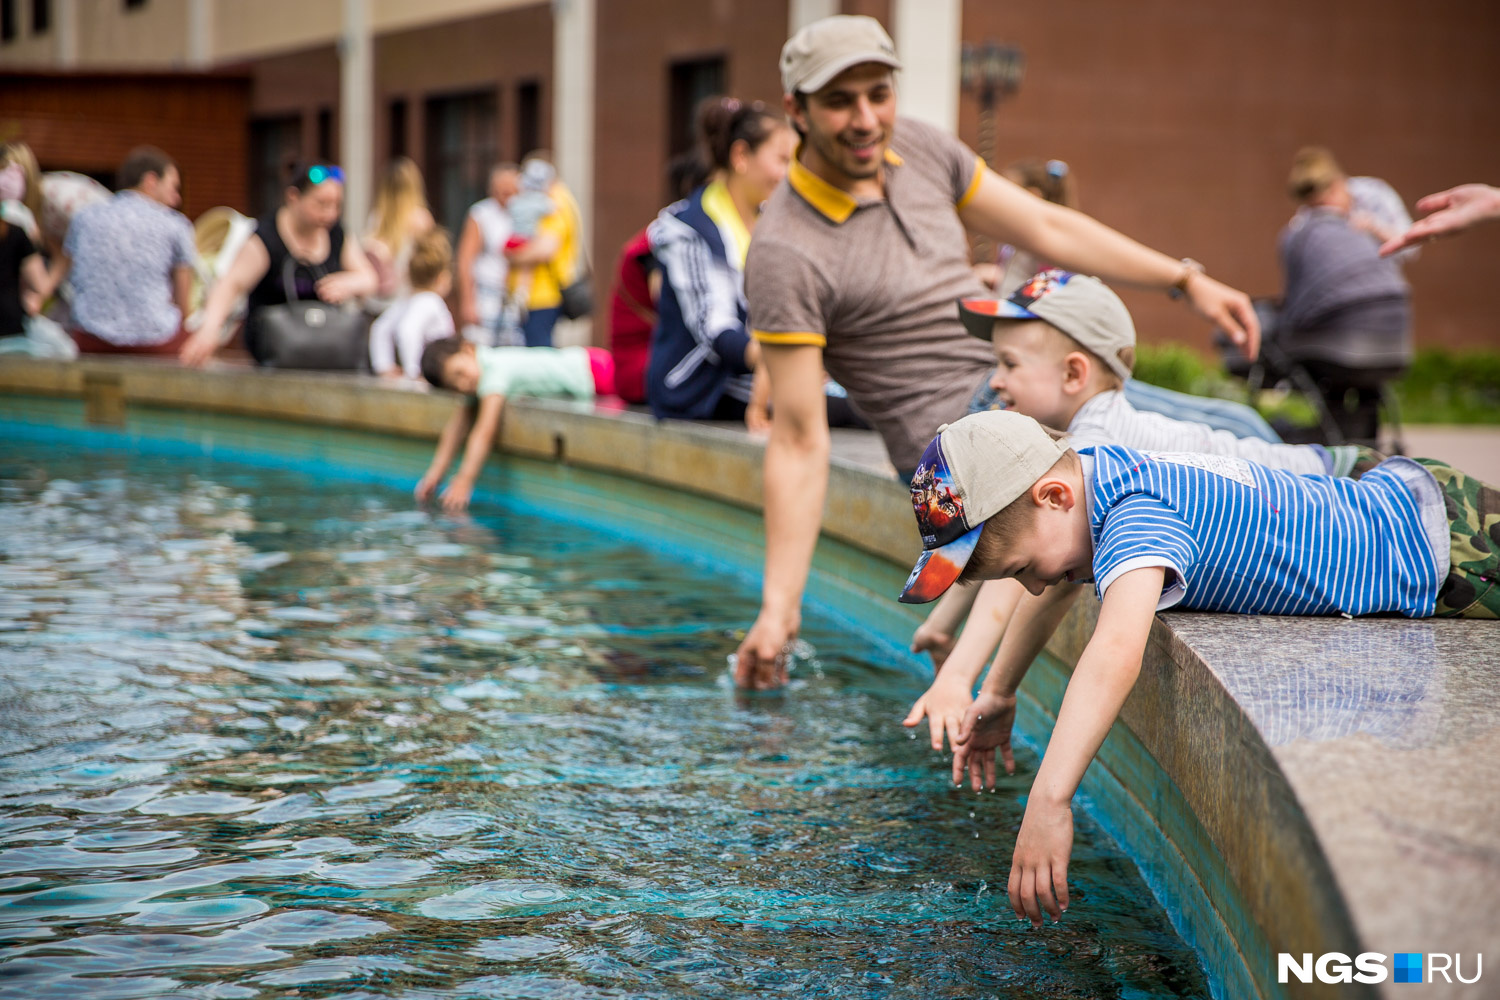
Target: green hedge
x: 1442, y: 387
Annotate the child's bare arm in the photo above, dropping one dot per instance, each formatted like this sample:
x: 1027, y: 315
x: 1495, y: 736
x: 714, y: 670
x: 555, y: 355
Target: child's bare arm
x: 1101, y: 681
x: 447, y: 446
x: 986, y: 725
x: 935, y: 636
x: 952, y: 691
x: 476, y: 451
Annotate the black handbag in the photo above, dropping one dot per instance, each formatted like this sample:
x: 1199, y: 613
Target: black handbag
x: 578, y: 298
x: 310, y: 334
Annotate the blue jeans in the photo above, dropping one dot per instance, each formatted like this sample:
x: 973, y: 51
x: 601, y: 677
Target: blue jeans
x: 537, y: 328
x: 1220, y: 414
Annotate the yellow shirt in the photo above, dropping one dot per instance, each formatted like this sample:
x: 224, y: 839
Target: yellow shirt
x: 549, y: 279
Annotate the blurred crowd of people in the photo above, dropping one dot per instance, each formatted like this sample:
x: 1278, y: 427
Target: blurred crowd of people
x: 87, y: 270
x: 83, y: 269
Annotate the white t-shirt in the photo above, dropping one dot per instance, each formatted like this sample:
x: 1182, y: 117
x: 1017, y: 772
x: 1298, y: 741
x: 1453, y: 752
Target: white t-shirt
x: 490, y: 267
x: 408, y: 326
x: 1108, y: 418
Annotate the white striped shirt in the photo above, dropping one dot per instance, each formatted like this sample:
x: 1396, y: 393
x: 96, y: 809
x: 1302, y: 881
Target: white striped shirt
x: 1108, y: 418
x: 1239, y: 537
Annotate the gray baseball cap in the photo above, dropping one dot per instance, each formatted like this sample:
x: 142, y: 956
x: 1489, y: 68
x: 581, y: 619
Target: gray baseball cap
x: 824, y: 49
x: 972, y: 470
x: 1082, y: 307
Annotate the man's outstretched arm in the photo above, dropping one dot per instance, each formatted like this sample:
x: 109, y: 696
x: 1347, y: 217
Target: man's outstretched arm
x: 796, y: 482
x: 1008, y: 213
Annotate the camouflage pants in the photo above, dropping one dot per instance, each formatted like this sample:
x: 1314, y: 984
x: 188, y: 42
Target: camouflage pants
x: 1472, y: 589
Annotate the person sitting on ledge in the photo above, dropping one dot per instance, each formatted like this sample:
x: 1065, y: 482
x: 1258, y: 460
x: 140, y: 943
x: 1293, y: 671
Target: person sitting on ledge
x: 1064, y: 347
x: 492, y: 374
x: 420, y: 317
x: 997, y: 497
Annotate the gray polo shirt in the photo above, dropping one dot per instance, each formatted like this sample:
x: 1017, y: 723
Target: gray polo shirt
x: 875, y: 283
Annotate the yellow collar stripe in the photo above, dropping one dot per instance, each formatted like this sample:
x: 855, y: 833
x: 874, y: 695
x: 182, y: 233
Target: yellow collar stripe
x: 718, y: 206
x: 834, y: 204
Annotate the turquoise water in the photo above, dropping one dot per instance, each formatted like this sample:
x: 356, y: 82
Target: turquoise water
x: 269, y: 734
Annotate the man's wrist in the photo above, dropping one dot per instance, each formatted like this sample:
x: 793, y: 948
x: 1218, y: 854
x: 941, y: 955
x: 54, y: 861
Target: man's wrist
x: 1190, y: 269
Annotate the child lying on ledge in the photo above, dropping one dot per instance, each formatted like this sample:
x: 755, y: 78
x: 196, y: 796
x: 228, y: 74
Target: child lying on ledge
x: 492, y: 374
x: 996, y: 496
x: 1064, y: 347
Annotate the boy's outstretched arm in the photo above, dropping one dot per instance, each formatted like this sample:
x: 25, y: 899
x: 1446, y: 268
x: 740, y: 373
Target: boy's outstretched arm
x: 935, y: 636
x: 952, y: 690
x: 447, y: 446
x: 481, y: 441
x: 1101, y: 681
x: 986, y: 724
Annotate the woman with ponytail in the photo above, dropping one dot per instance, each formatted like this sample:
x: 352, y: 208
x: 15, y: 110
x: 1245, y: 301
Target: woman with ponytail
x: 702, y: 356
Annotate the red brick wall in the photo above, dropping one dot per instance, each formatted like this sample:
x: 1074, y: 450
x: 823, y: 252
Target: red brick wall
x: 637, y: 42
x: 499, y: 51
x: 1180, y: 122
x: 89, y: 122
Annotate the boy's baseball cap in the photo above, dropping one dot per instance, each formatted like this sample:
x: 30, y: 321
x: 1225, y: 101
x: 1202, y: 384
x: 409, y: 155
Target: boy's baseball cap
x: 1080, y: 306
x: 824, y: 49
x: 970, y: 472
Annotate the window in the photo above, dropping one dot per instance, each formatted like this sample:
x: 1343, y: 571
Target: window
x: 41, y: 16
x: 397, y: 127
x: 690, y: 83
x: 134, y: 4
x: 275, y: 147
x: 528, y: 118
x: 462, y: 146
x: 7, y: 20
x: 325, y: 135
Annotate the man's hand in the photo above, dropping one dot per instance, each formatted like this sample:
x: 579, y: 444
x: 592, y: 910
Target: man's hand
x: 986, y: 727
x: 944, y: 705
x: 426, y: 485
x: 933, y: 641
x: 199, y: 348
x: 456, y: 496
x: 1448, y: 212
x: 1039, y: 868
x: 1228, y: 309
x: 760, y: 662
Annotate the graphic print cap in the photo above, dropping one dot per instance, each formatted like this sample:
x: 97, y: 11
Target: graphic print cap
x: 971, y: 471
x: 1082, y: 307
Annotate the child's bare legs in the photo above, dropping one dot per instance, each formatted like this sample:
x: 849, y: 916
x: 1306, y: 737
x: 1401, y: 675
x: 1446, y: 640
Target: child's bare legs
x: 939, y: 632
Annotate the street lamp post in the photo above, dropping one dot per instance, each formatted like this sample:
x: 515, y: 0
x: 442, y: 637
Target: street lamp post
x: 993, y: 72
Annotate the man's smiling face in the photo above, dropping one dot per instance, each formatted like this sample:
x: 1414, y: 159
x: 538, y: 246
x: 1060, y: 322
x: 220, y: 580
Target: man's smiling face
x: 848, y: 122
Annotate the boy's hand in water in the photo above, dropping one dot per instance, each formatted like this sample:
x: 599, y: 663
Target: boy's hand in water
x: 1039, y: 868
x: 934, y: 642
x: 944, y: 705
x: 986, y: 727
x: 456, y: 496
x: 425, y: 486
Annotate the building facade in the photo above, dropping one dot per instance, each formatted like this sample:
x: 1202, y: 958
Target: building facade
x: 1179, y: 120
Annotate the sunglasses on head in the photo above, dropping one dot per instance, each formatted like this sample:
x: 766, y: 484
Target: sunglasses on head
x: 319, y: 174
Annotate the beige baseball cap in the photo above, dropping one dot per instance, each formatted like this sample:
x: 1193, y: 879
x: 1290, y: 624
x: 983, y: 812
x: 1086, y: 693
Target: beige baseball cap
x: 972, y: 470
x: 1082, y: 307
x: 824, y: 49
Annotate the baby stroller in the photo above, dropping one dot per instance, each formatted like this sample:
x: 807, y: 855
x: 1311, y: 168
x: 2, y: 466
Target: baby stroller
x: 1345, y: 375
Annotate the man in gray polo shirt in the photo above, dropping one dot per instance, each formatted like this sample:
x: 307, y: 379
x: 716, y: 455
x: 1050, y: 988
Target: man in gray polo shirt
x: 857, y: 265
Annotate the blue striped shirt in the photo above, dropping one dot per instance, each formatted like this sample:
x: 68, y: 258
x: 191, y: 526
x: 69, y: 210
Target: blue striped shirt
x: 1239, y: 537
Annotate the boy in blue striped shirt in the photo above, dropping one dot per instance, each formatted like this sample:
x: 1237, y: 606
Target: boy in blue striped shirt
x: 1064, y: 348
x: 996, y: 496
